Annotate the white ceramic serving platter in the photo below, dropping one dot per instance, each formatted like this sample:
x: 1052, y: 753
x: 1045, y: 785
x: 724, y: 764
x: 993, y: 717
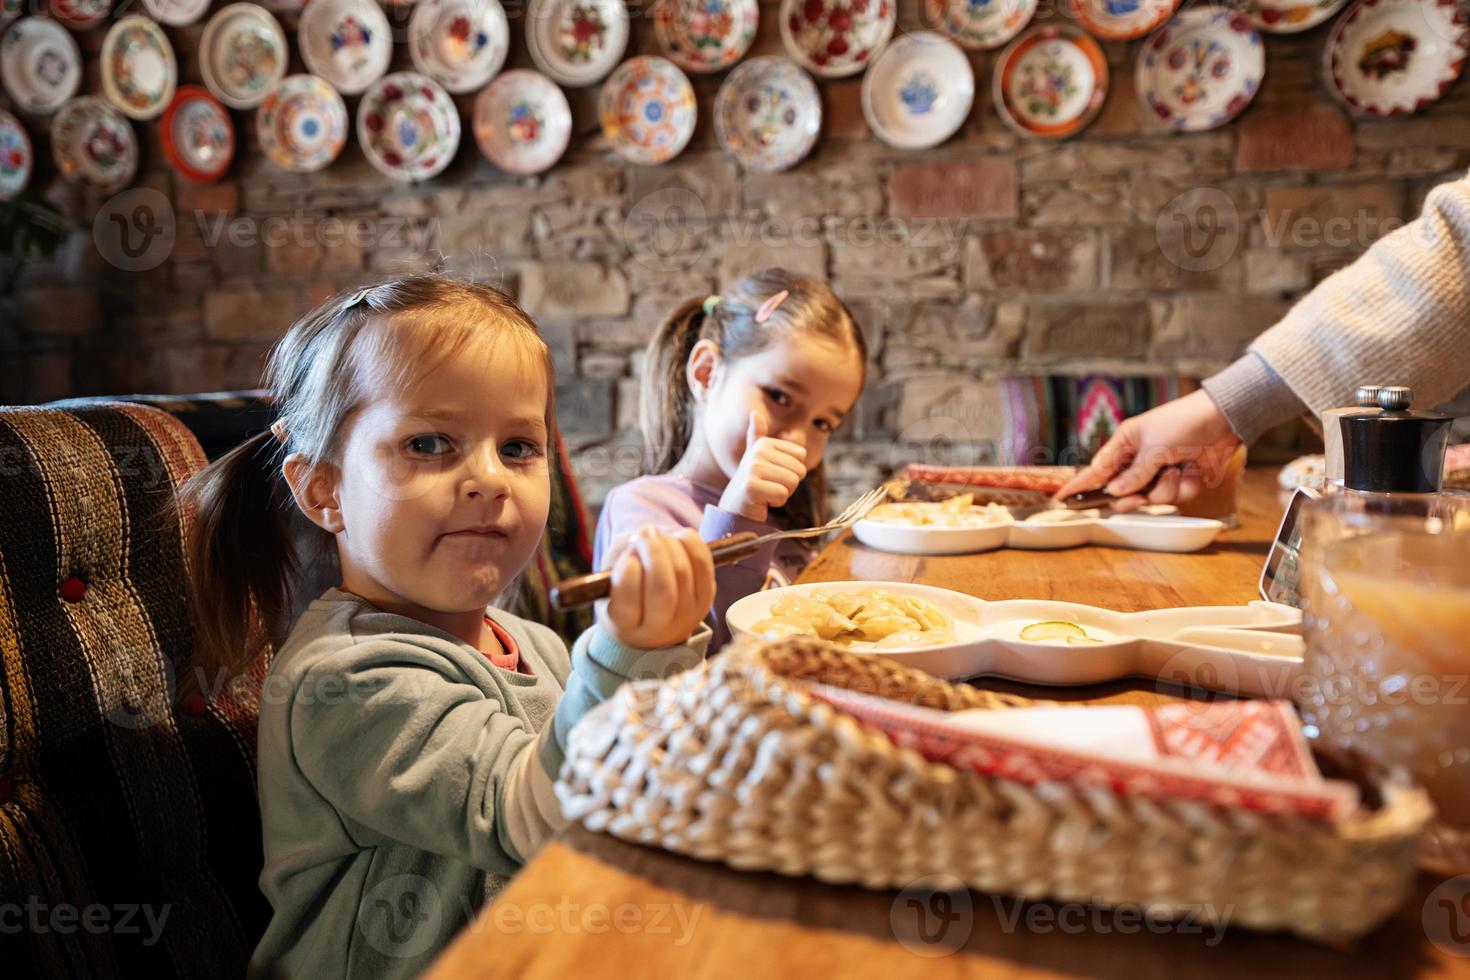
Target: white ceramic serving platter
x: 1145, y: 532
x: 1254, y: 649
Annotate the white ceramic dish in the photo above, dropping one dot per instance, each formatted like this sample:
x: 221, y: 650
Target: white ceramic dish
x: 461, y: 44
x: 1145, y: 532
x: 176, y: 13
x: 40, y: 64
x: 576, y: 43
x: 347, y: 42
x: 139, y: 70
x: 242, y: 55
x: 918, y: 91
x: 1254, y: 649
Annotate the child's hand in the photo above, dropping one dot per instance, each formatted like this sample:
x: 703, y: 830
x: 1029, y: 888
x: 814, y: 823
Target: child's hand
x: 768, y: 475
x: 662, y: 588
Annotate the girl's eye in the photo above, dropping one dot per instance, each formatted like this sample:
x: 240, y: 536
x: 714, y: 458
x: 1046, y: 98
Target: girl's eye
x: 521, y: 449
x: 779, y: 397
x: 824, y: 426
x: 432, y: 444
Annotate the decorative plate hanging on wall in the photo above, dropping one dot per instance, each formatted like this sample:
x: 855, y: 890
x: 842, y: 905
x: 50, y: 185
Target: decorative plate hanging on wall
x: 81, y: 15
x: 1391, y: 57
x: 835, y: 38
x: 242, y: 55
x: 17, y: 156
x: 198, y: 136
x: 647, y: 110
x: 461, y: 44
x: 576, y: 42
x: 768, y: 114
x: 980, y: 24
x: 139, y: 73
x: 347, y: 42
x: 39, y: 64
x: 1289, y: 16
x: 176, y: 13
x: 705, y: 35
x: 522, y: 122
x: 302, y: 124
x: 1121, y: 20
x: 94, y: 144
x: 1051, y: 82
x: 408, y: 126
x: 1202, y: 69
x: 918, y: 91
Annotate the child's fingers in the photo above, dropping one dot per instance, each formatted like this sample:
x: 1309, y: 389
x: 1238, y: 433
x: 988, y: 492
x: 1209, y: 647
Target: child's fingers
x: 625, y: 601
x: 616, y: 550
x: 658, y: 575
x: 776, y: 456
x: 795, y: 450
x: 683, y: 574
x: 701, y: 569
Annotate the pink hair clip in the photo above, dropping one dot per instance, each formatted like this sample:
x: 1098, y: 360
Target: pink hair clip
x: 769, y: 306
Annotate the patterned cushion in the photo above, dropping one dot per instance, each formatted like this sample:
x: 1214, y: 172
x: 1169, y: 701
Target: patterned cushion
x: 1065, y: 418
x: 116, y: 803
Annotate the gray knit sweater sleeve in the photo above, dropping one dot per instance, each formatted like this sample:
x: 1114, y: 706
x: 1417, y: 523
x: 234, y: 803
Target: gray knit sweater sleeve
x: 1400, y: 314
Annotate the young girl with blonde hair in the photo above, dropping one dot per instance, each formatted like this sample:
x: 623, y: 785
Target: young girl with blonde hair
x: 409, y: 735
x: 740, y: 393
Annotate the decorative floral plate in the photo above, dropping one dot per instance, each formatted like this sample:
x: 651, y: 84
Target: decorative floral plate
x: 835, y: 38
x: 10, y: 10
x: 919, y: 91
x: 242, y: 55
x: 94, y: 144
x: 1392, y: 57
x: 408, y: 126
x: 522, y: 122
x: 1121, y: 20
x: 347, y: 42
x: 17, y: 157
x: 1202, y: 69
x: 302, y: 124
x: 1051, y: 82
x: 705, y: 35
x: 39, y: 64
x: 576, y: 42
x: 176, y: 13
x: 647, y: 110
x: 461, y: 44
x: 1289, y: 16
x: 198, y: 136
x: 80, y: 15
x: 768, y: 114
x: 980, y: 24
x: 139, y: 73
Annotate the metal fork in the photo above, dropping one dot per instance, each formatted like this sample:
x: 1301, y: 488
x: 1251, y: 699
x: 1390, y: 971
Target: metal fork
x: 583, y: 589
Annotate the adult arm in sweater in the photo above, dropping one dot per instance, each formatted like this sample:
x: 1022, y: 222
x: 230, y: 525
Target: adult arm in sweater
x: 1400, y: 314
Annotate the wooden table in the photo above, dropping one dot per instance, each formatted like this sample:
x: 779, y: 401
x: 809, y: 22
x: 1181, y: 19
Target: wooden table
x: 592, y: 906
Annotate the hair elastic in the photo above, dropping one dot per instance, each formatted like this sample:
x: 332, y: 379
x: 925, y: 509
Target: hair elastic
x: 710, y: 302
x: 769, y: 306
x: 355, y: 298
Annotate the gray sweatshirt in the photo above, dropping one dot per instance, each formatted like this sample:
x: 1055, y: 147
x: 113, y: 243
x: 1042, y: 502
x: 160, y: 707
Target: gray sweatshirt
x: 404, y: 777
x: 1399, y: 315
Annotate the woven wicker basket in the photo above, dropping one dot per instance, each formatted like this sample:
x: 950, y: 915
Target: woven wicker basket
x: 733, y: 762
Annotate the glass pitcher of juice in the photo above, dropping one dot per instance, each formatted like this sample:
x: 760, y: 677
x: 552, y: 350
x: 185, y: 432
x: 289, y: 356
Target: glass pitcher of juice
x: 1386, y: 673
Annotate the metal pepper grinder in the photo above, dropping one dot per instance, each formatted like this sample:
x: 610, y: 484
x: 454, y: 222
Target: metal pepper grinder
x: 1394, y: 450
x: 1365, y: 398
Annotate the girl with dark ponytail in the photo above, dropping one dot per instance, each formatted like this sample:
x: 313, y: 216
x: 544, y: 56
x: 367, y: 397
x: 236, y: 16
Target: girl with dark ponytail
x: 740, y: 393
x: 405, y: 723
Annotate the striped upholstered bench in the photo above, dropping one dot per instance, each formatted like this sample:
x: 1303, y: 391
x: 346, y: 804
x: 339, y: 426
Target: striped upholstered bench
x: 129, y: 835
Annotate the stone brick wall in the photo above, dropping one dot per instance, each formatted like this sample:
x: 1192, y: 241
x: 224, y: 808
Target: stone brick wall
x: 1125, y: 250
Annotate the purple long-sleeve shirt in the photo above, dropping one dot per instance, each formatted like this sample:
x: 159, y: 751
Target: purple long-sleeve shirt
x: 671, y: 503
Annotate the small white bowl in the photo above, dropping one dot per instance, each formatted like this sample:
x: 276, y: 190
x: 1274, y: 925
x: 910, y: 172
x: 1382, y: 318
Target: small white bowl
x: 917, y: 539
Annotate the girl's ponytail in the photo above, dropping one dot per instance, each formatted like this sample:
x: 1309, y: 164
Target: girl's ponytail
x: 242, y: 561
x: 665, y: 404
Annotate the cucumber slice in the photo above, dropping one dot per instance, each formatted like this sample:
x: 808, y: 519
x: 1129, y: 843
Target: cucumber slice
x: 1052, y: 630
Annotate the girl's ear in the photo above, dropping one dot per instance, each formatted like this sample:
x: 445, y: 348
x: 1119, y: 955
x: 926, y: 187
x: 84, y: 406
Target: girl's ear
x: 315, y: 490
x: 702, y: 368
